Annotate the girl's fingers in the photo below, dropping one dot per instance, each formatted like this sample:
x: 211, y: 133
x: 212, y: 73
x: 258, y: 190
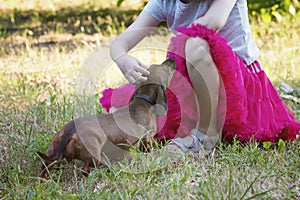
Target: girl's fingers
x: 143, y: 68
x: 134, y: 70
x: 138, y: 76
x: 131, y: 80
x: 135, y: 77
x: 143, y: 65
x: 143, y: 71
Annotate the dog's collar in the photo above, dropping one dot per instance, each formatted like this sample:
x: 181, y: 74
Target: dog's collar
x: 145, y: 97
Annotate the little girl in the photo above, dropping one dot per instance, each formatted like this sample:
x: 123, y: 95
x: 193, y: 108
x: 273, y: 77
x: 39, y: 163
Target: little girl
x: 219, y: 88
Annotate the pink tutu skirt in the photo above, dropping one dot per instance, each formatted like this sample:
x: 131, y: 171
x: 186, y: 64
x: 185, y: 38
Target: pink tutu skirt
x: 254, y: 110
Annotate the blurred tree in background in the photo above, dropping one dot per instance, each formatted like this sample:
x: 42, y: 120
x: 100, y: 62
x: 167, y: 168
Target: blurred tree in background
x: 272, y: 9
x: 106, y: 17
x: 267, y: 10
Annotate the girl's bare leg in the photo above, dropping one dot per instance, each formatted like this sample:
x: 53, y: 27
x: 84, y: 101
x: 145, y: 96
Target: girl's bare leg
x: 206, y: 83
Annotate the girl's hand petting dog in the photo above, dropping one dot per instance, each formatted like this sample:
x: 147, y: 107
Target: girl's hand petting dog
x: 133, y: 70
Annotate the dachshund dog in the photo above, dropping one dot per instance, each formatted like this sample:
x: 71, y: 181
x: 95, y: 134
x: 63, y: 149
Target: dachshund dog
x: 110, y: 136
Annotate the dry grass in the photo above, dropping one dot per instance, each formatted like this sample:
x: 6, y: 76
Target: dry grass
x: 56, y: 5
x: 37, y: 86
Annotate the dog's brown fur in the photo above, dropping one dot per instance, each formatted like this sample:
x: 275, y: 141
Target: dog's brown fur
x: 89, y: 138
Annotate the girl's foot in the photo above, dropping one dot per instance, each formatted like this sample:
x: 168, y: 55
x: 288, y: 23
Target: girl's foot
x: 190, y: 143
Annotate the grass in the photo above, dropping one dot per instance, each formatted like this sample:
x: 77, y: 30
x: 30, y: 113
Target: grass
x: 44, y: 86
x: 35, y: 18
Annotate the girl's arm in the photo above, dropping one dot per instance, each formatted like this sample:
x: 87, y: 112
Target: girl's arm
x: 217, y: 15
x: 133, y: 69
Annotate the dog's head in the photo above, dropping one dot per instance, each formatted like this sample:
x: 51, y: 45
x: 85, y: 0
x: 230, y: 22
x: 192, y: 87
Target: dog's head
x: 46, y: 162
x: 156, y: 84
x: 162, y: 73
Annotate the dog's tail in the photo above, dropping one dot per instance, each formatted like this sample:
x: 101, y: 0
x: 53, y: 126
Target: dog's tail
x: 69, y: 130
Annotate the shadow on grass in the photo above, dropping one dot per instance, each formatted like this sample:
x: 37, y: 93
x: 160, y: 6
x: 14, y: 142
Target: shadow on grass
x: 66, y: 20
x: 91, y: 19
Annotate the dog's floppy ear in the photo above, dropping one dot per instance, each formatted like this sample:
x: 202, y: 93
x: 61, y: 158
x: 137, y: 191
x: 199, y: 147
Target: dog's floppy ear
x: 160, y: 108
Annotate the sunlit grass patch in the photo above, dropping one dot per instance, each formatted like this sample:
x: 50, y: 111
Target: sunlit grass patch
x: 41, y: 88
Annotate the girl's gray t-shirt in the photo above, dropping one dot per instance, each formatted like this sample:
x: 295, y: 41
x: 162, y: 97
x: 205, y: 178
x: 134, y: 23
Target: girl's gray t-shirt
x: 236, y: 31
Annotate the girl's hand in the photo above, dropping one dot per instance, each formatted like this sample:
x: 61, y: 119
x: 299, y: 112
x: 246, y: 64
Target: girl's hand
x: 133, y: 70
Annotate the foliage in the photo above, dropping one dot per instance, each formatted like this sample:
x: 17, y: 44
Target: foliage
x: 272, y: 9
x: 266, y: 10
x: 90, y: 19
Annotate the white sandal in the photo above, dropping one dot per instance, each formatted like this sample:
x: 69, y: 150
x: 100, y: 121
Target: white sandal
x: 186, y: 146
x: 201, y: 144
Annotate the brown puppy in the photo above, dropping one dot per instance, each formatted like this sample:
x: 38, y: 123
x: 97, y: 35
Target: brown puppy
x: 109, y: 136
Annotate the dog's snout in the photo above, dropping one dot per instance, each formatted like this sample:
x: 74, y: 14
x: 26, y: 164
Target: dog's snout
x: 171, y: 59
x: 170, y: 62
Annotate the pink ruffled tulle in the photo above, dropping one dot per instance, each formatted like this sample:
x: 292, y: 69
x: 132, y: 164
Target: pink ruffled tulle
x: 254, y: 109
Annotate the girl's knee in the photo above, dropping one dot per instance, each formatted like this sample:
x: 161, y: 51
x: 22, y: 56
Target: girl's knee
x: 197, y: 50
